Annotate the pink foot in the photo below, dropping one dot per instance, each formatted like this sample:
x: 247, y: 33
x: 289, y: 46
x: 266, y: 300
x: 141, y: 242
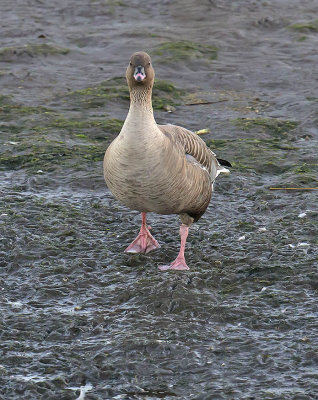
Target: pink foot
x: 143, y: 243
x: 179, y: 264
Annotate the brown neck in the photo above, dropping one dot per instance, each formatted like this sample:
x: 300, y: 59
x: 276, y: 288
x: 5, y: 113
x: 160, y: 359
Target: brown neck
x: 141, y: 97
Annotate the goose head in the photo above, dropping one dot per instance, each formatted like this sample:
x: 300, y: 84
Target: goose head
x: 140, y: 73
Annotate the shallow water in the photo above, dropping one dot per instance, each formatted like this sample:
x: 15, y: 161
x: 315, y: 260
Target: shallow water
x: 80, y: 316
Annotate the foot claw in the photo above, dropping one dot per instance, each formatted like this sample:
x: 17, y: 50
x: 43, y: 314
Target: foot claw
x: 143, y: 243
x: 178, y: 264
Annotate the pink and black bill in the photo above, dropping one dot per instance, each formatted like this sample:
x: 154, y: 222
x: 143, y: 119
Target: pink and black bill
x: 139, y: 73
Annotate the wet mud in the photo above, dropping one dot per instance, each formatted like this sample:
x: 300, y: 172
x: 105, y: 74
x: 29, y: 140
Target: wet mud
x: 77, y: 315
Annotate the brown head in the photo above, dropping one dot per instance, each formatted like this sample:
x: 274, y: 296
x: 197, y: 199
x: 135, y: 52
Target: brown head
x: 140, y: 74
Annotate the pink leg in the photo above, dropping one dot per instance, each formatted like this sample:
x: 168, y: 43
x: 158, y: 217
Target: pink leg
x: 144, y: 242
x: 180, y: 262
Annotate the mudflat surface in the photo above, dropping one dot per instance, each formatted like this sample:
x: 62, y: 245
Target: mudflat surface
x: 75, y: 311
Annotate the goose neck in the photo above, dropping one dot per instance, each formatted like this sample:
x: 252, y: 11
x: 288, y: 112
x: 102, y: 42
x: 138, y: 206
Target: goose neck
x: 140, y: 99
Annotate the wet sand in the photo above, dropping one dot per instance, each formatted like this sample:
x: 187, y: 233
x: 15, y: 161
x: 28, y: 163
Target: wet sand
x: 74, y: 309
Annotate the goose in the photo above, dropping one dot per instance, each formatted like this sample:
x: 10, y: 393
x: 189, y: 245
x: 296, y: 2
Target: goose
x: 164, y: 169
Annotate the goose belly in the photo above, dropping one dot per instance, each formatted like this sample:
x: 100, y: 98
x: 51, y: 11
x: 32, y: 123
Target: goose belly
x: 155, y: 189
x: 138, y: 188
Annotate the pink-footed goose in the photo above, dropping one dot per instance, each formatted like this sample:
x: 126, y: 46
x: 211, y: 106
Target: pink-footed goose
x: 158, y: 168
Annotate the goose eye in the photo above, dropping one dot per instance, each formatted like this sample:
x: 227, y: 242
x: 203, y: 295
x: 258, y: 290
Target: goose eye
x: 130, y: 63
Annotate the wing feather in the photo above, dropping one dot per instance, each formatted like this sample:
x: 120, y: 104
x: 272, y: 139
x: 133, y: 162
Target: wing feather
x: 191, y: 143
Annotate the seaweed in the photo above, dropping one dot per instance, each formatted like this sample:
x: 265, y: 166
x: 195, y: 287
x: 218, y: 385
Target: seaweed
x: 305, y: 26
x: 274, y: 126
x: 31, y: 50
x: 185, y: 49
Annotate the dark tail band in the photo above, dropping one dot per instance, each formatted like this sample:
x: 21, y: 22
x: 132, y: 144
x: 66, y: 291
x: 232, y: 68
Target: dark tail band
x: 224, y: 162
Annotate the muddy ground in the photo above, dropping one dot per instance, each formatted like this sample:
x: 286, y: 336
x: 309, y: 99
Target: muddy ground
x: 75, y: 311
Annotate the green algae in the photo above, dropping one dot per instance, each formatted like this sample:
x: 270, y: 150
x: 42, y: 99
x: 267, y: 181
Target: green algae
x: 245, y: 226
x: 116, y: 3
x: 256, y: 155
x: 40, y: 120
x: 111, y: 88
x: 39, y: 143
x: 49, y: 155
x: 166, y: 94
x: 32, y: 50
x: 303, y: 169
x: 305, y: 26
x: 12, y: 111
x: 273, y: 156
x: 40, y: 136
x: 112, y: 125
x: 273, y: 126
x: 185, y: 49
x: 4, y: 99
x: 302, y: 175
x: 167, y: 86
x: 302, y: 38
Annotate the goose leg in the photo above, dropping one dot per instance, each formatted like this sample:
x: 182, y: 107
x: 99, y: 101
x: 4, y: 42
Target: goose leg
x: 179, y: 263
x: 144, y: 242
